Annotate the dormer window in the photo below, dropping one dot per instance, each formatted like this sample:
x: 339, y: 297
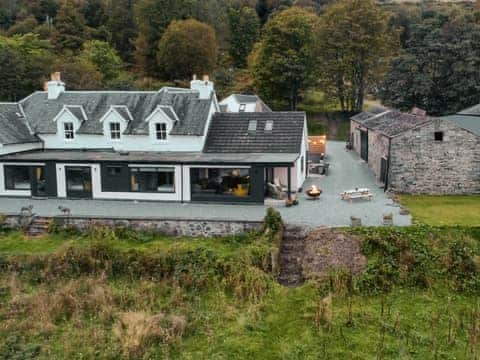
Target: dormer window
x: 68, y: 131
x: 242, y: 108
x: 115, y: 131
x: 161, y: 131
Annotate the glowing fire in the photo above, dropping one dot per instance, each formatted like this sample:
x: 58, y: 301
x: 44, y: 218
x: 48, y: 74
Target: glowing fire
x: 314, y: 190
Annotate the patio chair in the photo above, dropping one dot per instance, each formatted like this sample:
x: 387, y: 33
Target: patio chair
x: 275, y: 192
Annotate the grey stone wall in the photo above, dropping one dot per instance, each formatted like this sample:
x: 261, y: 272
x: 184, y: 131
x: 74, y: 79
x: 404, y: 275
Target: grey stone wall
x: 355, y: 130
x: 419, y: 164
x: 173, y: 227
x: 377, y: 149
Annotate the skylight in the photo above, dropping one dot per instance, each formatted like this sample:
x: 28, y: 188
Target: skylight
x: 252, y: 125
x: 269, y: 125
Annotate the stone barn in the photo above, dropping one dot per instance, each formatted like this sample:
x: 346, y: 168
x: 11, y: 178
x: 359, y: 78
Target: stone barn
x: 417, y: 154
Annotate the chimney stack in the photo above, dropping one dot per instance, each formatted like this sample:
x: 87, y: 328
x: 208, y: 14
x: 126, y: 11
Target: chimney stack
x: 55, y: 86
x: 204, y: 87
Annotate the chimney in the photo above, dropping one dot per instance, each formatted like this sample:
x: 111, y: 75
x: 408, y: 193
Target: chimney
x: 204, y: 87
x: 55, y: 86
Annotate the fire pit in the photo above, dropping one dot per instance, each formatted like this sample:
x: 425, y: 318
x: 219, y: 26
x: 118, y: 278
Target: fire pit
x: 313, y: 192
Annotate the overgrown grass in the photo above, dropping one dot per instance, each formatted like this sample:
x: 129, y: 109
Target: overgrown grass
x: 444, y: 210
x: 129, y: 295
x: 316, y: 101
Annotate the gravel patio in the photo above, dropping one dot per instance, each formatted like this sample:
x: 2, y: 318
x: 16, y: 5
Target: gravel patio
x: 346, y: 172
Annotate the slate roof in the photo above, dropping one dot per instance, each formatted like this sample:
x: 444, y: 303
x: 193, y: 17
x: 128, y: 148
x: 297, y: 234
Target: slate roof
x: 248, y: 99
x: 13, y: 128
x: 469, y: 123
x: 228, y: 133
x: 191, y: 111
x: 474, y: 110
x: 390, y: 122
x: 77, y: 112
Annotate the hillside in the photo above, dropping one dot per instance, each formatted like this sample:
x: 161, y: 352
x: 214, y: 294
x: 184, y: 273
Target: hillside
x: 119, y: 294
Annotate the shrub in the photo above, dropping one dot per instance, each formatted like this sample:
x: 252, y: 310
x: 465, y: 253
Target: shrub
x: 273, y: 221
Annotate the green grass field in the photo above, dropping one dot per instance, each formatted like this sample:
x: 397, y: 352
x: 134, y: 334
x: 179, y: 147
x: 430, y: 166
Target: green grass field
x: 112, y: 295
x: 444, y: 210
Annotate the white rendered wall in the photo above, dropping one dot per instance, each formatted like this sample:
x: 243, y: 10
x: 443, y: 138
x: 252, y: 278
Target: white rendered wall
x: 234, y: 106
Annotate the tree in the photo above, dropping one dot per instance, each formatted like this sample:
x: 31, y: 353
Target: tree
x: 152, y: 18
x: 355, y: 47
x: 43, y: 9
x: 122, y: 28
x: 244, y: 28
x: 283, y: 61
x: 188, y: 47
x: 439, y: 69
x: 80, y: 74
x: 24, y: 26
x: 94, y: 13
x: 24, y: 61
x: 103, y: 57
x: 69, y: 28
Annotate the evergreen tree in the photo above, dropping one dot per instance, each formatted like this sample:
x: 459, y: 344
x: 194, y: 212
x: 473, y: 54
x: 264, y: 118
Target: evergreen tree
x: 244, y: 29
x: 69, y: 28
x: 122, y: 28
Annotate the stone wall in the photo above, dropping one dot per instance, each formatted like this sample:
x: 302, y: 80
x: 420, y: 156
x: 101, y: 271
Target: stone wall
x: 172, y: 227
x: 377, y: 149
x: 355, y: 131
x: 419, y: 164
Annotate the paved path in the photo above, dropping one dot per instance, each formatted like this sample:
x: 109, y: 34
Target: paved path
x: 346, y: 171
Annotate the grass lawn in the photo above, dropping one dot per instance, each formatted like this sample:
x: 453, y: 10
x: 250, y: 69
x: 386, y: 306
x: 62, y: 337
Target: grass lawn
x: 444, y: 210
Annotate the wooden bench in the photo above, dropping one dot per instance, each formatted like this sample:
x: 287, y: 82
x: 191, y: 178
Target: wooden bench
x: 357, y: 194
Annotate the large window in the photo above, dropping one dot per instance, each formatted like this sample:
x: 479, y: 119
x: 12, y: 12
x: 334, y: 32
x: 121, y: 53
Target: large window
x: 151, y: 179
x: 68, y: 131
x: 17, y: 178
x: 161, y: 131
x: 115, y: 131
x: 221, y: 182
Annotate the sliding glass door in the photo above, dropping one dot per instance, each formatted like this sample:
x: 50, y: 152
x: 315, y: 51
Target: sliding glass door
x: 79, y: 182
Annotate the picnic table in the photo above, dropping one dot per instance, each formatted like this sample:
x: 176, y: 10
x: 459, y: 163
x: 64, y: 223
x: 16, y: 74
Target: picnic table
x: 363, y: 193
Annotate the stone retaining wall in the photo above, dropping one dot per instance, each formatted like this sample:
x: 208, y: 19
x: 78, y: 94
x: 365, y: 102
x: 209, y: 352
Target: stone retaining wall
x: 172, y: 227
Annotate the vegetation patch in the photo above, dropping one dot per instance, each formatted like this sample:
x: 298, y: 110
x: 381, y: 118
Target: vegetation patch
x: 111, y: 293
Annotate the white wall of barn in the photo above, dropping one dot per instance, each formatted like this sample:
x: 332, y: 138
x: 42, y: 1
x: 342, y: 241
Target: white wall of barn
x: 234, y: 106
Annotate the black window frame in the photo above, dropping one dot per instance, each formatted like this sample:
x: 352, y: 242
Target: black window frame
x: 68, y: 134
x: 161, y: 131
x: 242, y: 108
x: 132, y: 171
x: 6, y: 169
x: 115, y: 134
